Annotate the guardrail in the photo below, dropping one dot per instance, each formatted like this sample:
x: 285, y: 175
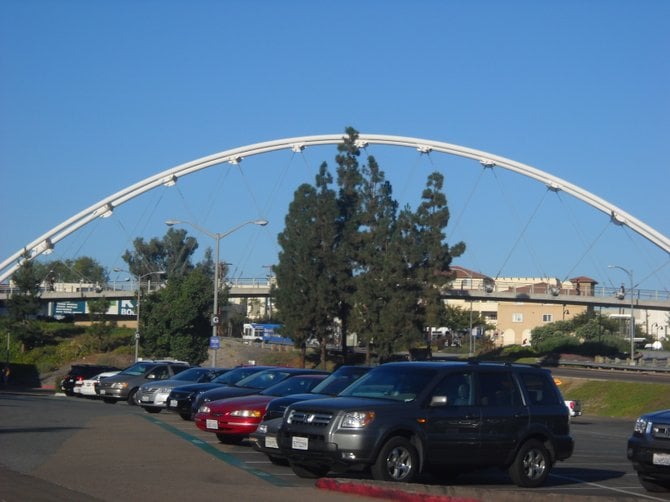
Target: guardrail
x: 653, y: 365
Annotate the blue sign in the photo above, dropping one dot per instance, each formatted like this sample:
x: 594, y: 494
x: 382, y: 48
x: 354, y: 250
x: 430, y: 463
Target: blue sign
x: 68, y: 308
x: 214, y: 342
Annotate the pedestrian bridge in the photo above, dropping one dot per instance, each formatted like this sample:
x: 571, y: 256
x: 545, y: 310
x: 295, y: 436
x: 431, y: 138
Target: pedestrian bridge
x: 496, y: 291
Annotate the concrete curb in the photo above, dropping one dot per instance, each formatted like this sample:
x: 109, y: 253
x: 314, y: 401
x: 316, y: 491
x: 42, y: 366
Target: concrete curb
x: 401, y: 492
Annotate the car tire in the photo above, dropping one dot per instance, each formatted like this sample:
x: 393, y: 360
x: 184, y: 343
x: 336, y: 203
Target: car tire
x: 309, y: 471
x: 186, y: 416
x: 652, y: 485
x: 398, y: 460
x: 109, y: 400
x: 531, y: 465
x: 131, y: 397
x: 152, y: 409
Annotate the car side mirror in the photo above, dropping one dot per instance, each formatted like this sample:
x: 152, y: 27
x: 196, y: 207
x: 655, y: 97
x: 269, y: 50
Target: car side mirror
x: 438, y: 401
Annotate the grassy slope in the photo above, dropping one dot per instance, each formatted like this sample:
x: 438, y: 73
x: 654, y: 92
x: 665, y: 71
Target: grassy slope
x: 616, y: 399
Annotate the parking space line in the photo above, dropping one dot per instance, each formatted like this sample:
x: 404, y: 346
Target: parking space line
x: 221, y: 455
x: 609, y: 488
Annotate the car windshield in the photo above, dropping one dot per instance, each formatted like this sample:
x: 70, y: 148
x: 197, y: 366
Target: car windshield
x: 389, y: 383
x: 292, y: 385
x: 191, y: 375
x: 264, y: 379
x: 339, y: 380
x: 233, y: 376
x: 137, y: 369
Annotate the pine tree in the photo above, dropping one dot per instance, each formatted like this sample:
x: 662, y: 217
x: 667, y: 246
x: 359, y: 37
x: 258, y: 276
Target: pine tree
x: 349, y: 181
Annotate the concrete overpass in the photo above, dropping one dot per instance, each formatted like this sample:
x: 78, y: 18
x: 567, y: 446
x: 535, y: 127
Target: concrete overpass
x: 498, y: 292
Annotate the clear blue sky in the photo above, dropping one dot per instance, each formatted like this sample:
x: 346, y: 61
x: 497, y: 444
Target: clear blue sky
x: 95, y: 96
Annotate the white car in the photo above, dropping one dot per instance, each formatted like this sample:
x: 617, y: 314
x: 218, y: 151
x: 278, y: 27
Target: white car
x: 87, y: 387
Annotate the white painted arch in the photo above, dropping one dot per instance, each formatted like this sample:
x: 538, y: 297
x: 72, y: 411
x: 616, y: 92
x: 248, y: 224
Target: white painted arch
x: 168, y: 177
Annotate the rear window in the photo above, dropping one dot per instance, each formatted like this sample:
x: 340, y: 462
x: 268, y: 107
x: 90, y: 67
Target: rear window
x: 540, y: 389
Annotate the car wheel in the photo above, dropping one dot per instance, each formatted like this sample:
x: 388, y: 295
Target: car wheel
x: 652, y: 485
x: 131, y: 397
x: 152, y: 409
x: 109, y: 400
x: 309, y: 471
x: 186, y: 416
x: 398, y: 460
x: 531, y: 465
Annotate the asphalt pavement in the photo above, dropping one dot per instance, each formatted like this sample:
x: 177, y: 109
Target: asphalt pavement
x: 69, y: 449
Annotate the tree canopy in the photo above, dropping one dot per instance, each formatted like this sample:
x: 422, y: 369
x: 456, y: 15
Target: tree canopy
x: 350, y: 262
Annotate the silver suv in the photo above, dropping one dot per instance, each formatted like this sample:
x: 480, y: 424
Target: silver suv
x: 124, y: 386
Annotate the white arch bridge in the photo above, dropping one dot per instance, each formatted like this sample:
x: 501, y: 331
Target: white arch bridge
x: 169, y: 177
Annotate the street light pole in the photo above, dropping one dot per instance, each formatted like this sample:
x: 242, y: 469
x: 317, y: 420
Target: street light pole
x: 632, y: 306
x: 217, y: 238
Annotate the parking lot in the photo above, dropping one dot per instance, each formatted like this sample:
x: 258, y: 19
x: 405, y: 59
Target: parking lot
x: 112, y: 452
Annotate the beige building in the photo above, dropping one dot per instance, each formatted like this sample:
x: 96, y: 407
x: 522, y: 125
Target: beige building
x: 513, y: 321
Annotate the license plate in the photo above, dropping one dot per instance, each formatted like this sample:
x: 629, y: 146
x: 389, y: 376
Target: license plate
x: 299, y: 443
x: 145, y: 398
x: 661, y: 458
x: 173, y: 403
x: 212, y: 424
x: 271, y: 442
x: 102, y: 391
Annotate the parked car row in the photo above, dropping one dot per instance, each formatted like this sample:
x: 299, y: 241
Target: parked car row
x: 395, y: 420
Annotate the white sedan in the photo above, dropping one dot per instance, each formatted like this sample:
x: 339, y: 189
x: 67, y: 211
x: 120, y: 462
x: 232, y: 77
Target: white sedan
x: 87, y: 387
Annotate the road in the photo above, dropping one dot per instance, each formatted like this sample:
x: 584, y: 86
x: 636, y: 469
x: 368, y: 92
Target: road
x: 56, y: 448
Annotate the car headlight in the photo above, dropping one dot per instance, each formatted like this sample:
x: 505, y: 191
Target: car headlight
x: 642, y: 426
x: 263, y: 429
x: 357, y: 419
x: 120, y: 385
x: 246, y: 413
x: 204, y: 409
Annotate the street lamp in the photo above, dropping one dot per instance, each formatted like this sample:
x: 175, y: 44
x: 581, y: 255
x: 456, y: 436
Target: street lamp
x: 138, y: 279
x: 632, y: 306
x: 217, y: 238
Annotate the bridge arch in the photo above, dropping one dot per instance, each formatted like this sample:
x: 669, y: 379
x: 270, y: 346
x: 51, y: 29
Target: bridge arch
x: 169, y: 177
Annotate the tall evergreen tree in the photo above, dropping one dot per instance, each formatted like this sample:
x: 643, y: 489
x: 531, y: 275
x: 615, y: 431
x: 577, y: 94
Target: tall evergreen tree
x: 349, y: 181
x: 378, y: 224
x: 306, y: 289
x: 434, y: 254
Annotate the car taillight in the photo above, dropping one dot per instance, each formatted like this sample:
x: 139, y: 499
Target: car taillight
x: 80, y: 378
x: 572, y: 405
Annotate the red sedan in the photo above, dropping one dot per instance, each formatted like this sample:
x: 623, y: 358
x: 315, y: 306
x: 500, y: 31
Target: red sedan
x: 234, y: 418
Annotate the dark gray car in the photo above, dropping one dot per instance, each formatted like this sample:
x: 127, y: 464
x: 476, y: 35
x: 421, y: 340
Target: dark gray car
x: 401, y: 419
